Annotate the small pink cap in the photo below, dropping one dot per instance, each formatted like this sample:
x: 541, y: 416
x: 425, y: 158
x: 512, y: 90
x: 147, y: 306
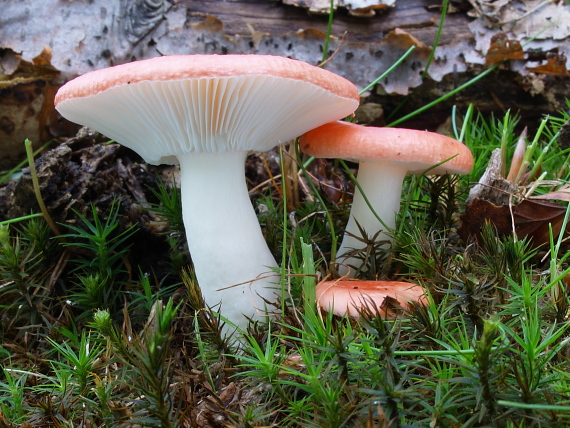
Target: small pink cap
x: 411, y: 149
x: 346, y: 297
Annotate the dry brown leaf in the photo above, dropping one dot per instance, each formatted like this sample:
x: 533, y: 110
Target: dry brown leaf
x: 311, y: 33
x: 44, y: 58
x: 502, y: 49
x: 478, y: 213
x: 555, y: 64
x: 531, y: 218
x: 210, y: 23
x: 534, y: 219
x: 561, y: 194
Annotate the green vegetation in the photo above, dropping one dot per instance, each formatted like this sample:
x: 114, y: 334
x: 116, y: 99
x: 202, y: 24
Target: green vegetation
x: 89, y: 338
x: 86, y: 342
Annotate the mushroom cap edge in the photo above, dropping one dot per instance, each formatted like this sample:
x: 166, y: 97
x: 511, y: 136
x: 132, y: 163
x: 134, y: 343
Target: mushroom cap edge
x: 412, y: 149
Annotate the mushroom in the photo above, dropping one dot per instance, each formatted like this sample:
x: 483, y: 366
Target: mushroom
x: 384, y: 156
x: 205, y: 112
x: 350, y: 297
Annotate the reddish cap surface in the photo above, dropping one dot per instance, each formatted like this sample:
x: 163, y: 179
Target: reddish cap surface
x: 345, y: 297
x: 172, y: 105
x: 411, y: 149
x: 176, y: 67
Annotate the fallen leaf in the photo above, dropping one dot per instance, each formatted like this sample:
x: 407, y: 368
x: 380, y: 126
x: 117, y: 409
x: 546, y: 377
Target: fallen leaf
x: 534, y: 219
x: 44, y: 58
x: 311, y: 33
x: 502, y: 49
x: 555, y: 64
x: 210, y: 24
x: 480, y: 212
x: 402, y: 39
x: 561, y: 194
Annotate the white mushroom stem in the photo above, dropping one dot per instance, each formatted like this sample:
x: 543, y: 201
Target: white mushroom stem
x: 224, y: 236
x: 382, y: 183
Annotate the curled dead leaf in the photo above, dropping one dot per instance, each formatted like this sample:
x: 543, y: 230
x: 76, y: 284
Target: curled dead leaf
x: 531, y: 219
x: 209, y: 23
x: 503, y: 48
x: 555, y: 64
x: 561, y: 194
x: 311, y: 33
x: 534, y: 219
x: 44, y: 58
x: 480, y: 212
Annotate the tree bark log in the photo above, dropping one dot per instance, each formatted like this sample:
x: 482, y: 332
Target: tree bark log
x: 82, y: 36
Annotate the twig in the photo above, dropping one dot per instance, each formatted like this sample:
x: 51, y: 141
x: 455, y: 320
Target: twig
x: 36, y: 184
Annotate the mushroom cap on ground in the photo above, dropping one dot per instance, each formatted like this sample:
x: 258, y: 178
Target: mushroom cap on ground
x: 179, y: 104
x: 409, y: 149
x: 345, y: 297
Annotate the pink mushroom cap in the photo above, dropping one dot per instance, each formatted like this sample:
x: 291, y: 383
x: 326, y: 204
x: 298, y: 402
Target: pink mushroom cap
x: 410, y: 149
x: 346, y: 297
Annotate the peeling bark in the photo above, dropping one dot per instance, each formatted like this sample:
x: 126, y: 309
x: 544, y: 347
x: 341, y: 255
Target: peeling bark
x: 91, y: 35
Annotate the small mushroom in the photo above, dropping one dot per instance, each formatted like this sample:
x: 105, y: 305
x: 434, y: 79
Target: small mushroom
x: 384, y: 156
x: 205, y: 112
x: 349, y: 297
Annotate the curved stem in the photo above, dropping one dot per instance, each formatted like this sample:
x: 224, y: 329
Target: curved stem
x: 224, y: 236
x: 382, y: 185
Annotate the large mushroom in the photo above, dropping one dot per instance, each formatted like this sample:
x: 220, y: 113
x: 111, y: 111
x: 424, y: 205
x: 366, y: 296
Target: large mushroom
x: 384, y: 156
x: 205, y: 112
